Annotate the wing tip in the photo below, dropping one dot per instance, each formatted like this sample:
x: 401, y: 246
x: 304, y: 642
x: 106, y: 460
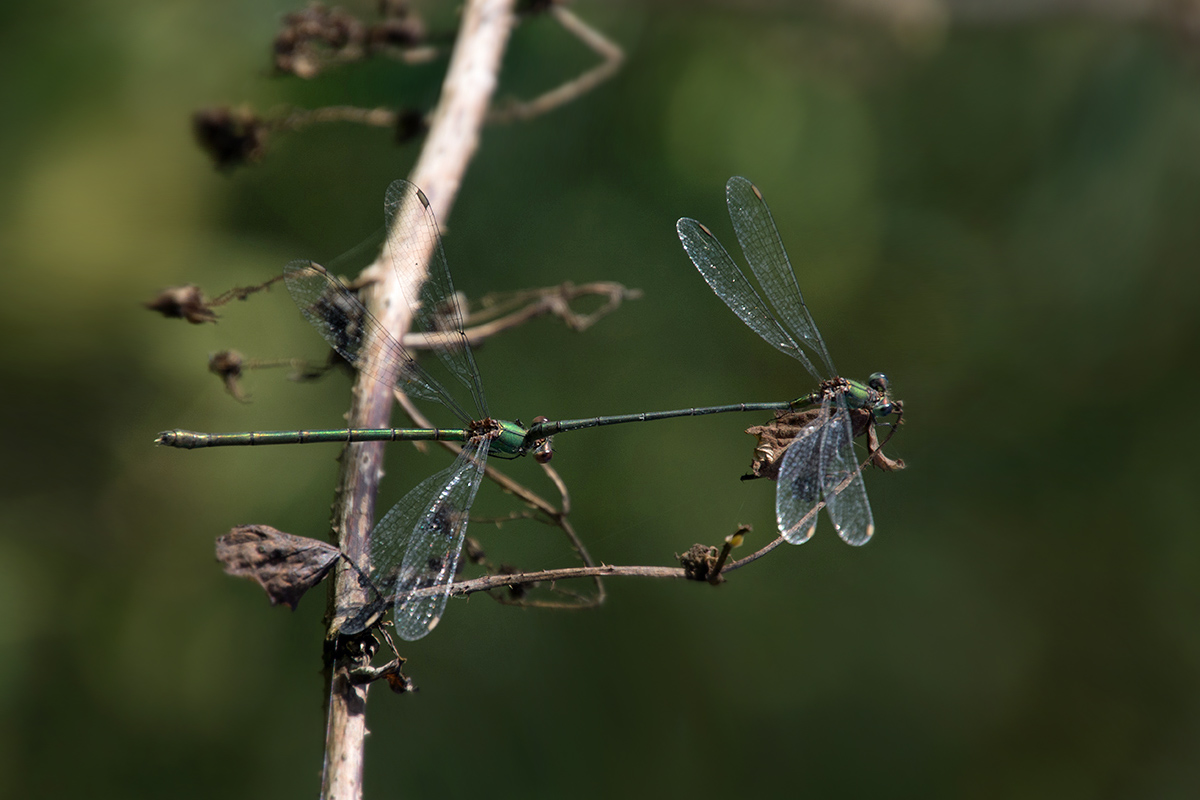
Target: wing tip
x: 797, y: 534
x: 859, y: 541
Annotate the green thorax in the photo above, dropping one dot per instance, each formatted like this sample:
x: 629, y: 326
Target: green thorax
x: 507, y: 438
x: 874, y: 395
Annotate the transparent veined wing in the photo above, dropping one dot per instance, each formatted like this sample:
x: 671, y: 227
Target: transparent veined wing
x: 799, y: 491
x: 846, y: 493
x: 763, y: 249
x: 344, y: 322
x: 413, y: 242
x: 416, y: 546
x: 819, y: 468
x: 732, y: 286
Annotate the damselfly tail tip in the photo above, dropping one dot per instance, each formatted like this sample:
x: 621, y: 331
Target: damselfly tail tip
x: 185, y: 440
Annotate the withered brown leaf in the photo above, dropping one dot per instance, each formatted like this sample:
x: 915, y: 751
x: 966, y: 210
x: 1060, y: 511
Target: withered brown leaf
x: 183, y: 302
x: 774, y: 438
x: 285, y: 565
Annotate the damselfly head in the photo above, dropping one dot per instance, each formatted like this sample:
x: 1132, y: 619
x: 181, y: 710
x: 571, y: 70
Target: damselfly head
x: 883, y: 405
x: 542, y: 451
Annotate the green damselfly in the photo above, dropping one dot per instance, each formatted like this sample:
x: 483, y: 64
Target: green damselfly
x: 415, y: 547
x: 819, y: 467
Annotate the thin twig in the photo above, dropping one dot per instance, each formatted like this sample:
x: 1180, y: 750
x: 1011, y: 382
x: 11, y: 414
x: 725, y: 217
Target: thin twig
x: 757, y: 554
x: 489, y: 582
x: 552, y: 300
x: 302, y: 118
x: 611, y: 53
x: 242, y: 292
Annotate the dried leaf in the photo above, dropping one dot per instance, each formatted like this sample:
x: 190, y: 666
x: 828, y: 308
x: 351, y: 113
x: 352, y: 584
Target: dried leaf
x: 314, y: 35
x: 227, y: 365
x: 399, y: 682
x: 410, y: 123
x: 392, y: 672
x: 230, y: 136
x: 773, y: 439
x: 400, y: 28
x: 286, y: 566
x: 878, y: 458
x: 698, y: 562
x: 188, y: 302
x: 775, y: 436
x: 183, y: 302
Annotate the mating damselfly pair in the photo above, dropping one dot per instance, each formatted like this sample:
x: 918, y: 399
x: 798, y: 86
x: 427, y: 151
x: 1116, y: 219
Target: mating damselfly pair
x: 415, y: 548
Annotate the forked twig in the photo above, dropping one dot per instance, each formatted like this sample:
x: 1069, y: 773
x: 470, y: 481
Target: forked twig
x: 318, y: 37
x: 611, y: 53
x: 551, y: 300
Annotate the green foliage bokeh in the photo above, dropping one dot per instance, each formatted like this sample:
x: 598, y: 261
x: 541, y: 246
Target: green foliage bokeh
x: 1002, y: 218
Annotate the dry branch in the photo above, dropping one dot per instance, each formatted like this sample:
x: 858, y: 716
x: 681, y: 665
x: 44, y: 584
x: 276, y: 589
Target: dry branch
x: 453, y: 138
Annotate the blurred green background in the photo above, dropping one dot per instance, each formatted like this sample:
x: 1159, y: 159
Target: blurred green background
x: 1000, y: 211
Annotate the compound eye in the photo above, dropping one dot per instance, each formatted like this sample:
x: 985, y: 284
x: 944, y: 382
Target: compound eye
x: 878, y: 381
x: 884, y: 410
